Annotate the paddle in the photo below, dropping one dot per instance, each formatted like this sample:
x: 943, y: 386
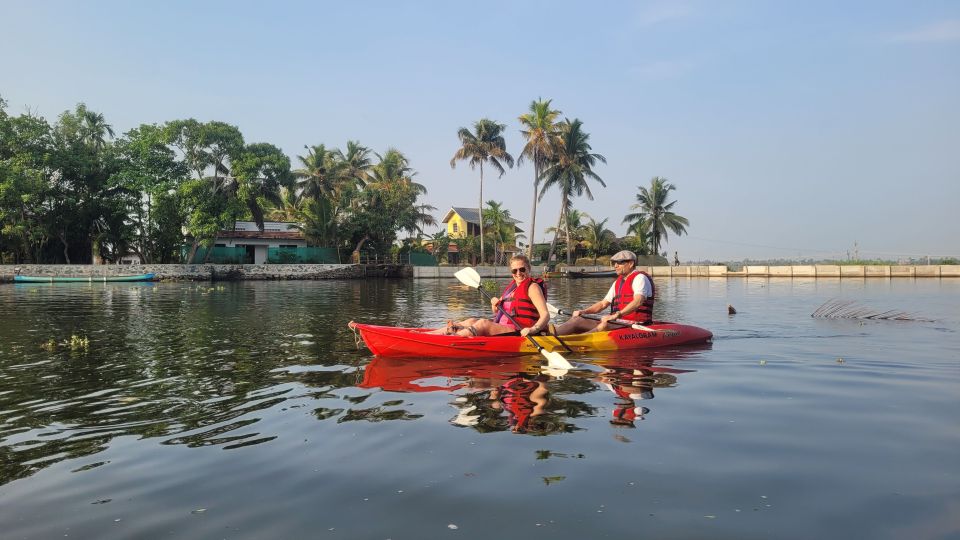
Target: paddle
x: 622, y: 322
x: 469, y: 277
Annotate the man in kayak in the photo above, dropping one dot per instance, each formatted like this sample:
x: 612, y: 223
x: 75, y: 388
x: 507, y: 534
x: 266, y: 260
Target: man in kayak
x: 525, y: 299
x: 630, y: 297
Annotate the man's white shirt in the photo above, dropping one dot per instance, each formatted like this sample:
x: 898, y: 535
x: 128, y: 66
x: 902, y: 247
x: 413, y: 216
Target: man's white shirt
x: 645, y: 288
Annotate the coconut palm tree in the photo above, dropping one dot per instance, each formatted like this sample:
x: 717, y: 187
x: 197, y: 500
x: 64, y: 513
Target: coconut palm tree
x: 500, y: 227
x: 654, y: 215
x: 287, y: 209
x: 484, y: 144
x: 598, y: 237
x: 95, y: 128
x: 542, y: 135
x: 572, y: 227
x: 356, y: 163
x: 317, y: 179
x: 569, y: 169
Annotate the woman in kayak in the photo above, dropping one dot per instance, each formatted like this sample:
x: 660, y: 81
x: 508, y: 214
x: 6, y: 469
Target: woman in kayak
x: 525, y: 299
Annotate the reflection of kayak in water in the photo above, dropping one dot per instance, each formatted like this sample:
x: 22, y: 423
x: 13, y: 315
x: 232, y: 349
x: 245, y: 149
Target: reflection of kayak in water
x: 391, y: 341
x: 415, y: 374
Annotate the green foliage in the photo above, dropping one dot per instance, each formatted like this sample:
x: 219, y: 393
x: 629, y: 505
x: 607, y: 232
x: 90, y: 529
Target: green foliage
x: 485, y: 144
x: 70, y: 192
x: 653, y: 215
x: 542, y: 135
x: 570, y: 166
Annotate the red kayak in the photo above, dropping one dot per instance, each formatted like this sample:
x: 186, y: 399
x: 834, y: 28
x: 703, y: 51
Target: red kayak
x: 395, y: 342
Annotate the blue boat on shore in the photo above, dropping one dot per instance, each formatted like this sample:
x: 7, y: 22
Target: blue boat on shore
x: 82, y: 279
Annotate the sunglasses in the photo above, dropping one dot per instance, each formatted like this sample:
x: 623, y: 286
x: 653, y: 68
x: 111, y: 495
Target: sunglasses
x: 518, y: 270
x: 618, y: 262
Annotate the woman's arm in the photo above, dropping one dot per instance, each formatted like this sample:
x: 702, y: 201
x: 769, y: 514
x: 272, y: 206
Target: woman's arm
x: 536, y: 296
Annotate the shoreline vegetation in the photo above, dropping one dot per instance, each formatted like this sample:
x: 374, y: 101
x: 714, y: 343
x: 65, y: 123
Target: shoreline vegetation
x: 74, y: 191
x: 282, y: 272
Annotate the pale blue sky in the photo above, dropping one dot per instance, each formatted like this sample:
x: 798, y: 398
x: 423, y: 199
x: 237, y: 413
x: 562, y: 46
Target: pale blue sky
x: 790, y: 129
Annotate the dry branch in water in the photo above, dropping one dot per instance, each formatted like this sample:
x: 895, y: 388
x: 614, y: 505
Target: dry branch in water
x: 848, y: 309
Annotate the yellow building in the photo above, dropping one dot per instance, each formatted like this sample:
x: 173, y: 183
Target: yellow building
x: 462, y: 222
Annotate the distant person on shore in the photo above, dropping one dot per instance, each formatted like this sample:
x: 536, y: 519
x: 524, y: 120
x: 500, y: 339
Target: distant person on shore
x: 676, y: 259
x: 630, y: 297
x: 525, y: 299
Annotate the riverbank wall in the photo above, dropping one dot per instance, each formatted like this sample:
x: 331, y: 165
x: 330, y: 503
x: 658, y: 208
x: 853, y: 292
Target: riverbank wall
x: 720, y: 271
x: 211, y: 272
x: 240, y: 272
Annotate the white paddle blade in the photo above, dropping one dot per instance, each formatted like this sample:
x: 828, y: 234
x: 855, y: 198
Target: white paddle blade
x: 469, y: 277
x: 552, y: 309
x: 556, y: 360
x: 642, y: 327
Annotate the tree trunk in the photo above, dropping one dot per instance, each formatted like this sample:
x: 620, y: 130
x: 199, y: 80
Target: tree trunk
x: 533, y: 212
x: 556, y: 232
x: 356, y: 250
x: 193, y: 252
x: 480, y: 210
x: 566, y: 226
x: 63, y: 239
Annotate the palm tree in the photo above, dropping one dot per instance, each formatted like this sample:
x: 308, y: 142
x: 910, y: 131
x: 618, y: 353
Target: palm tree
x: 569, y: 169
x: 95, y: 128
x: 356, y: 163
x: 571, y: 228
x: 287, y: 209
x: 501, y: 227
x: 654, y: 215
x: 598, y: 237
x: 484, y: 144
x: 318, y: 177
x: 542, y: 135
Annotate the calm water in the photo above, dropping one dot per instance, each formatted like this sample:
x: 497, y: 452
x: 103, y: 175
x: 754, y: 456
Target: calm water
x: 245, y: 410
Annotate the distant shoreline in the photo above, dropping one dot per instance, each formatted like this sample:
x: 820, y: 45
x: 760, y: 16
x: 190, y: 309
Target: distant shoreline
x: 281, y: 272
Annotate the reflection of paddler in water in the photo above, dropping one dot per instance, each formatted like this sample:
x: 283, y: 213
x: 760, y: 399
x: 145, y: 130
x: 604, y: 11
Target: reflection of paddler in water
x: 522, y: 397
x: 630, y: 387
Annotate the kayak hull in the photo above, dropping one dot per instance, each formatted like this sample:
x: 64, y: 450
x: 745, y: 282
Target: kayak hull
x: 86, y: 279
x: 396, y: 342
x: 599, y: 274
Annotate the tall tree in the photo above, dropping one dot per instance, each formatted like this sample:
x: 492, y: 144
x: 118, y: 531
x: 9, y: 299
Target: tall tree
x: 149, y: 170
x: 599, y: 238
x: 543, y: 137
x: 485, y: 144
x: 500, y: 227
x: 653, y: 215
x: 572, y: 228
x: 387, y: 204
x: 569, y: 169
x: 260, y: 171
x: 208, y: 147
x: 95, y: 127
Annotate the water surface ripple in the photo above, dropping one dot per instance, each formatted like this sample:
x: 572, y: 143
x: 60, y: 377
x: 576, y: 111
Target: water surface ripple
x: 246, y: 410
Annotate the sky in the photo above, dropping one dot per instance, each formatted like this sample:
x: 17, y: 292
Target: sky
x: 791, y: 130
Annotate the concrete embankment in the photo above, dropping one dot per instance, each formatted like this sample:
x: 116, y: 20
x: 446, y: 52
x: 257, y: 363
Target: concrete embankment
x: 238, y: 272
x: 809, y: 271
x: 210, y: 272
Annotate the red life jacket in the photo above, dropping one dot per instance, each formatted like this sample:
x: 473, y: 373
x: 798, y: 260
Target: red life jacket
x: 521, y: 307
x: 623, y: 295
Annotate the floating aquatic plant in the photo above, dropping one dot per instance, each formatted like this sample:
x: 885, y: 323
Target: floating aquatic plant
x: 848, y: 309
x: 77, y: 342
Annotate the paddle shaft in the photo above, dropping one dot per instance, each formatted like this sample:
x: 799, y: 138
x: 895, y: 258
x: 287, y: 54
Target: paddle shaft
x: 596, y: 317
